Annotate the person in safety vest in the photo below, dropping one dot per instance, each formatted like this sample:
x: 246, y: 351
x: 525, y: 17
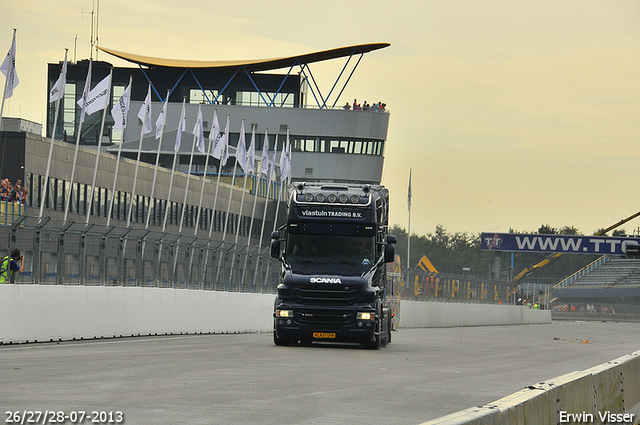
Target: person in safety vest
x: 9, y: 265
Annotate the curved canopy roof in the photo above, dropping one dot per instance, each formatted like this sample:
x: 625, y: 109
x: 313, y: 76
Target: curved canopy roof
x: 251, y: 65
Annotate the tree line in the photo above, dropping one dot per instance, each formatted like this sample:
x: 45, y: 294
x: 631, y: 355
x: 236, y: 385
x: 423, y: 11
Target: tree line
x: 453, y: 252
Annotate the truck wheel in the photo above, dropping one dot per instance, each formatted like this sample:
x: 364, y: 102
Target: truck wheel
x: 374, y: 345
x: 389, y: 330
x: 280, y: 341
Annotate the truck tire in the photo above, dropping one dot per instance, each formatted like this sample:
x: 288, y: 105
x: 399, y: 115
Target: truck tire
x: 280, y: 341
x: 374, y: 345
x: 389, y: 330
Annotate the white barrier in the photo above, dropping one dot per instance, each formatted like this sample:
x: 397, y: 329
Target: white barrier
x: 605, y: 394
x: 40, y: 313
x: 415, y: 314
x: 31, y: 313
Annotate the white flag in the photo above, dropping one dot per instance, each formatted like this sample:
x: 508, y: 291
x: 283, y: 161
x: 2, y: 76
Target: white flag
x: 282, y: 155
x: 145, y: 113
x: 216, y: 136
x: 182, y: 126
x: 8, y: 68
x: 57, y: 91
x: 272, y: 166
x: 251, y: 153
x: 160, y: 121
x: 264, y: 164
x: 241, y: 149
x: 120, y: 110
x: 285, y: 161
x: 288, y: 165
x: 98, y: 97
x: 198, y: 131
x: 225, y: 145
x: 85, y: 94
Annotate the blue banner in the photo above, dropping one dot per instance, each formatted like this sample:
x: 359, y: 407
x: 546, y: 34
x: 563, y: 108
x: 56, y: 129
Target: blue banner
x: 569, y: 244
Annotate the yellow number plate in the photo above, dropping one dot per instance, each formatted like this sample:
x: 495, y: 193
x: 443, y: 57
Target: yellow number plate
x: 323, y: 335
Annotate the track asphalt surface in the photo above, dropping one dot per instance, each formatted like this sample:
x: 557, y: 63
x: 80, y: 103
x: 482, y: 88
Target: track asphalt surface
x: 245, y: 379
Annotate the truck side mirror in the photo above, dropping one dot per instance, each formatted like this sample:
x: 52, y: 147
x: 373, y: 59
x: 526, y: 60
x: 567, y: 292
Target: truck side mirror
x: 275, y: 248
x: 275, y: 245
x: 389, y: 253
x: 392, y: 239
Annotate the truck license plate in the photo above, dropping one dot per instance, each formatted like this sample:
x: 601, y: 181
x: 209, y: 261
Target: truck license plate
x: 323, y: 335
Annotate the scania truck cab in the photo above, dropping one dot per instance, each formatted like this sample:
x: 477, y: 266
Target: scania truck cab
x: 334, y: 249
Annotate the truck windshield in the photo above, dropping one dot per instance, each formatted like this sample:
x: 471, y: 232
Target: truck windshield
x: 358, y: 250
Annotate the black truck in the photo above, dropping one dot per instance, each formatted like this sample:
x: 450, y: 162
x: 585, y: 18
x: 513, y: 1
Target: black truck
x: 334, y: 249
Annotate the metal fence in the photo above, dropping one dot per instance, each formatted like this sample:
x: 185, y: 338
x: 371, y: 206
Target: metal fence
x: 417, y: 285
x: 71, y: 253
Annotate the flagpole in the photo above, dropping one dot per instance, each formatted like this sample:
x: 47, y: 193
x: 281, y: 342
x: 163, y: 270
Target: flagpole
x: 95, y: 168
x: 155, y: 172
x: 266, y: 204
x: 244, y: 189
x: 223, y: 160
x: 10, y: 73
x: 215, y: 198
x: 115, y: 174
x: 258, y: 181
x: 409, y: 223
x: 233, y: 179
x: 79, y: 131
x: 226, y: 221
x: 256, y: 185
x: 45, y: 185
x: 264, y: 212
x: 135, y: 176
x: 173, y: 168
x: 186, y: 189
x: 204, y: 179
x: 280, y: 196
x: 225, y: 150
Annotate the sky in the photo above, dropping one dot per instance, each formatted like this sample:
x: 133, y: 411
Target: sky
x: 510, y: 114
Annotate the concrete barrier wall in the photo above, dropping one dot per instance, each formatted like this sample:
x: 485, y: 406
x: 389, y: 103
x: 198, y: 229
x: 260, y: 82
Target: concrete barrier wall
x: 30, y: 313
x: 602, y: 394
x: 415, y: 314
x: 50, y: 313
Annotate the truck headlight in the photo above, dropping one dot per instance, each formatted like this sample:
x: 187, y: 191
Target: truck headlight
x: 365, y: 315
x: 284, y: 313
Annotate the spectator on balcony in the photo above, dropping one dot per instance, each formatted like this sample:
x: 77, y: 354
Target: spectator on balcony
x: 5, y: 190
x: 19, y: 194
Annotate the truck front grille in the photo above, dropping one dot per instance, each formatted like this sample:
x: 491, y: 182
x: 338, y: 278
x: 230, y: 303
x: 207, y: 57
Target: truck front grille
x: 324, y: 319
x: 331, y: 295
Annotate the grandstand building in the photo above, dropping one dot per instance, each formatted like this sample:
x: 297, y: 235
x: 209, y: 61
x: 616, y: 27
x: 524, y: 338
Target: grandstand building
x: 328, y: 143
x: 609, y: 284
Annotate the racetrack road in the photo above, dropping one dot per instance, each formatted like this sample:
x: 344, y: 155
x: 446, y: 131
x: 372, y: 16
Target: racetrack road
x: 245, y: 379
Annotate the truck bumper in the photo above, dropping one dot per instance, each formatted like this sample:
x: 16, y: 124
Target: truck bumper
x: 294, y: 331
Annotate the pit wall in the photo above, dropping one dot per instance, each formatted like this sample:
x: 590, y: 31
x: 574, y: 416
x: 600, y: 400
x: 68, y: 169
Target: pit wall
x: 602, y: 394
x: 41, y: 313
x: 415, y: 314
